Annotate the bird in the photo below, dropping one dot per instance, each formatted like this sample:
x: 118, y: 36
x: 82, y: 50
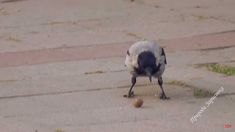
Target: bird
x: 146, y: 58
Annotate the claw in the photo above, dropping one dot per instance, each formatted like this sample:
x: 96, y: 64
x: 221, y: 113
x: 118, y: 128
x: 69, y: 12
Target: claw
x: 163, y: 97
x: 130, y: 95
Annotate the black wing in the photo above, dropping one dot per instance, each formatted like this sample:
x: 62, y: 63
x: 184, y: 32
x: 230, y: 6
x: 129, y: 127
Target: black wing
x: 163, y: 54
x: 128, y: 53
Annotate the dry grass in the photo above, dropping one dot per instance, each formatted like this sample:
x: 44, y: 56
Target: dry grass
x: 59, y: 130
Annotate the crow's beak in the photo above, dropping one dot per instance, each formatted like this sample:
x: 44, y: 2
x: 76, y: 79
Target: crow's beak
x: 149, y: 73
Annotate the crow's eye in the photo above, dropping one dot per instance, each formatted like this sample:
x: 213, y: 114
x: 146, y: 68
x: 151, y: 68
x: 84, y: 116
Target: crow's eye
x: 128, y: 52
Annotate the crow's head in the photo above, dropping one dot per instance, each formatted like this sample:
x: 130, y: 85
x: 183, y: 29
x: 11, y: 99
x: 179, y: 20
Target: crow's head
x: 147, y: 64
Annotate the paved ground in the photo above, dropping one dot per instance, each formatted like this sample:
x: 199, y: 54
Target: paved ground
x: 61, y: 65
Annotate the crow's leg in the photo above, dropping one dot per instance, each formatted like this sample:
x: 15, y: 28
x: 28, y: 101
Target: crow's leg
x: 163, y: 95
x: 133, y: 81
x: 131, y: 93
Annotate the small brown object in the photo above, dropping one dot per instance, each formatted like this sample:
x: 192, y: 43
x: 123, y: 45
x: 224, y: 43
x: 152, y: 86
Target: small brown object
x: 138, y: 102
x: 125, y: 96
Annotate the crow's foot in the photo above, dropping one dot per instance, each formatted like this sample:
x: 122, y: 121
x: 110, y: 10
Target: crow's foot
x: 163, y: 97
x: 130, y: 95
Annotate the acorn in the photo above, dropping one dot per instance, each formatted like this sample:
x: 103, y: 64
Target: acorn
x: 138, y: 102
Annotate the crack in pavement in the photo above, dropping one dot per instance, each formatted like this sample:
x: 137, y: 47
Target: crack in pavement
x: 92, y: 90
x: 9, y: 1
x: 68, y: 92
x: 102, y: 72
x: 217, y: 48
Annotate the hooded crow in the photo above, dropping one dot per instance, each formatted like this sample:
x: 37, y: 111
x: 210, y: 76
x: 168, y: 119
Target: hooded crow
x: 146, y: 58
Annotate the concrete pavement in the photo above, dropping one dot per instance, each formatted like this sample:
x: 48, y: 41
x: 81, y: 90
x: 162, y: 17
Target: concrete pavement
x: 29, y: 24
x: 62, y: 65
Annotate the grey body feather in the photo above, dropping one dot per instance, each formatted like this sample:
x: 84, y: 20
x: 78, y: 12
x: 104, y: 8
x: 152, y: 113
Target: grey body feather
x: 132, y: 56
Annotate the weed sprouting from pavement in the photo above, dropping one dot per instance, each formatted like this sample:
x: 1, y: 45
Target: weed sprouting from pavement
x: 13, y: 39
x: 202, y: 93
x: 94, y: 72
x: 59, y: 130
x: 197, y: 92
x: 178, y: 83
x: 227, y: 70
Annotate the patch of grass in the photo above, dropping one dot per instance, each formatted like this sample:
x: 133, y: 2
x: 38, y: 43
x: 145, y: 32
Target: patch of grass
x: 227, y: 70
x: 201, y: 18
x: 201, y: 93
x: 197, y: 92
x: 59, y: 130
x: 13, y: 39
x: 94, y: 72
x: 178, y: 83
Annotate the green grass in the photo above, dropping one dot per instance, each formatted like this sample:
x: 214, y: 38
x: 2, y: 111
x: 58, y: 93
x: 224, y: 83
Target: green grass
x: 197, y: 92
x: 201, y: 93
x: 227, y: 70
